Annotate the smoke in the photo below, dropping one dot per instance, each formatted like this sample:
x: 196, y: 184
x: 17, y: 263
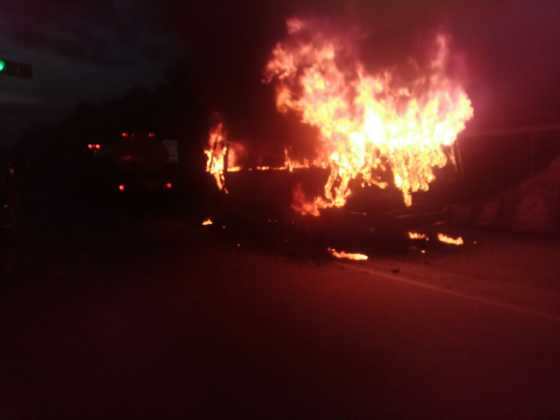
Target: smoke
x: 504, y: 51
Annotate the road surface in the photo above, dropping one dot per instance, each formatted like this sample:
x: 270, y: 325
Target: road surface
x: 177, y: 322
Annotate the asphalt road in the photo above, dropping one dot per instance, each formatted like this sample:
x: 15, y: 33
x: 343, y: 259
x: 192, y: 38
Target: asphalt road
x: 175, y: 322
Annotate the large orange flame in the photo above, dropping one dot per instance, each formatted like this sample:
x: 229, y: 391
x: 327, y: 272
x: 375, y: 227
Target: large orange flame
x: 368, y: 123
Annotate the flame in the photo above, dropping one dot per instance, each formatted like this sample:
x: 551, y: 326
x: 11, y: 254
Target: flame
x: 301, y: 205
x: 207, y: 222
x: 216, y: 156
x: 450, y: 240
x: 343, y: 255
x: 418, y: 236
x: 369, y: 124
x: 221, y: 150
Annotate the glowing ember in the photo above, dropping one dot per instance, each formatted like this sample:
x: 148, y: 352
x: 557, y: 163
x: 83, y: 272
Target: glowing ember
x: 368, y: 123
x: 450, y: 240
x: 207, y: 222
x: 418, y: 236
x: 347, y: 255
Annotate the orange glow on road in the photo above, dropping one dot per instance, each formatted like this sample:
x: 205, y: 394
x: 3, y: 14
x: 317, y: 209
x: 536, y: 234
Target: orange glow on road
x: 207, y: 222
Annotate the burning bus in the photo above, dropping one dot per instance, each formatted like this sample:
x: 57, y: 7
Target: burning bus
x: 377, y: 130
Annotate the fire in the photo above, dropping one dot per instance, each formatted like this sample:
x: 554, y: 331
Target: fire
x: 369, y: 124
x: 216, y: 156
x: 222, y: 150
x: 302, y: 206
x: 343, y: 255
x: 418, y: 236
x: 450, y: 240
x: 207, y: 222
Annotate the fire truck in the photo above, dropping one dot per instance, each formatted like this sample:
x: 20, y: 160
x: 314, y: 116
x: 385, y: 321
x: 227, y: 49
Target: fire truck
x: 134, y: 162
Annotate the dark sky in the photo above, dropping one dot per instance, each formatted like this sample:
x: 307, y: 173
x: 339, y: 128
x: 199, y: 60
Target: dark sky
x: 85, y: 50
x: 95, y: 49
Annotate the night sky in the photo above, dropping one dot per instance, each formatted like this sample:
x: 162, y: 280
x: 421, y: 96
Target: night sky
x: 97, y: 49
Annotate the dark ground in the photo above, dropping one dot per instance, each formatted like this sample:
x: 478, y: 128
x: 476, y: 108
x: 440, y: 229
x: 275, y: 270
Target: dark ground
x: 123, y: 314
